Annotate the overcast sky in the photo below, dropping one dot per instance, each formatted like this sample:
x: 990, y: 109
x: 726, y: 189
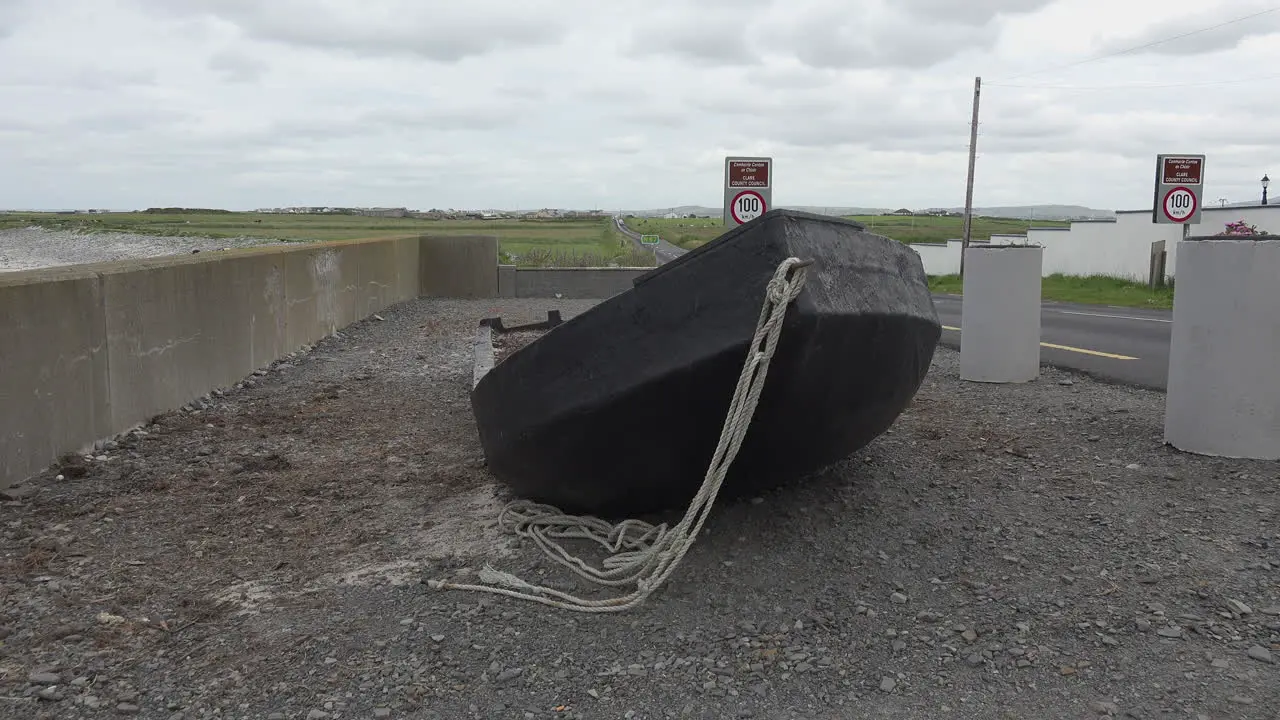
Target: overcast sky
x: 598, y: 103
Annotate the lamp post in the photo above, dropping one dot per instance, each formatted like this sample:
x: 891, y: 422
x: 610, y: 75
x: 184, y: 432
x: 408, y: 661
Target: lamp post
x: 1265, y: 182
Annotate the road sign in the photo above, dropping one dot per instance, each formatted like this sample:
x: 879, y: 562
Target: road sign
x: 1179, y: 189
x: 650, y: 239
x: 747, y: 205
x: 1179, y: 204
x: 748, y: 188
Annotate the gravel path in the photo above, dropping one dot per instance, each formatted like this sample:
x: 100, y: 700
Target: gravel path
x: 35, y: 247
x: 1004, y: 552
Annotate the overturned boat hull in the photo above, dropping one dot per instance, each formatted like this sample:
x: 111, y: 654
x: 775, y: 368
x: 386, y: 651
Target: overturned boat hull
x: 618, y: 411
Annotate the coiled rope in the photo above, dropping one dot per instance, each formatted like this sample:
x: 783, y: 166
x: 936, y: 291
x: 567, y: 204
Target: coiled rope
x: 644, y: 555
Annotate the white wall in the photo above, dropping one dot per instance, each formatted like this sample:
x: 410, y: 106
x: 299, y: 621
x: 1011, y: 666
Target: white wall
x: 1138, y: 226
x: 1119, y: 248
x: 1214, y: 220
x: 939, y: 258
x: 1099, y: 248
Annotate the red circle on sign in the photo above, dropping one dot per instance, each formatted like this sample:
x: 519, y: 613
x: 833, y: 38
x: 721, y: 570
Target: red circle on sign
x: 733, y: 207
x: 1164, y: 204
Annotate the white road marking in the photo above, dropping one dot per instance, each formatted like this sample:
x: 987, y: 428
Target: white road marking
x: 1076, y: 312
x: 1118, y: 317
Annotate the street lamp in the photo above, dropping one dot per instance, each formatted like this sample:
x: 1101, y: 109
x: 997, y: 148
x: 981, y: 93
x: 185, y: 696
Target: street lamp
x: 1265, y: 182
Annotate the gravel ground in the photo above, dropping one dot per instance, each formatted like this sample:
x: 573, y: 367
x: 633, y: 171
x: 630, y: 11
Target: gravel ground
x: 34, y: 247
x: 1004, y: 552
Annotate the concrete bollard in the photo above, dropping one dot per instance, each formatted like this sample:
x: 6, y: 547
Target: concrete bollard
x: 1000, y: 323
x: 1223, y: 393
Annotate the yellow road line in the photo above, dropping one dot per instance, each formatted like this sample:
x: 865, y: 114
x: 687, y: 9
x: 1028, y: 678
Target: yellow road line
x: 1098, y: 353
x: 1068, y: 348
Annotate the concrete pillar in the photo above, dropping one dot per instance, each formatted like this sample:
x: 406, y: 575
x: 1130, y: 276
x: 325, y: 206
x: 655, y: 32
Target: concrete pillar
x: 1000, y: 325
x: 1224, y: 355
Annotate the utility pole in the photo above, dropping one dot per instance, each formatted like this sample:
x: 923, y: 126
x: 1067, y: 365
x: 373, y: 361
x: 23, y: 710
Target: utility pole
x: 968, y: 189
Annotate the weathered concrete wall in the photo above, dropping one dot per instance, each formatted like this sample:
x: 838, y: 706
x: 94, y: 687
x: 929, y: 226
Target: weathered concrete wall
x: 53, y: 367
x: 1224, y: 356
x: 506, y: 281
x: 462, y: 267
x: 323, y: 283
x: 178, y: 328
x: 89, y: 351
x: 575, y: 283
x: 408, y: 264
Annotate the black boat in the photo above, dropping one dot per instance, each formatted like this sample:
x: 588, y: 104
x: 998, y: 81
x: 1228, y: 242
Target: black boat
x: 618, y: 411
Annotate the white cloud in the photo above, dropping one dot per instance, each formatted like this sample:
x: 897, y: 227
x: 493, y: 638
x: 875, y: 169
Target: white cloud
x: 1203, y: 31
x: 570, y: 103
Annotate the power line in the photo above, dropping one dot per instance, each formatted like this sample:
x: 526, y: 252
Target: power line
x: 1144, y: 46
x: 1201, y: 83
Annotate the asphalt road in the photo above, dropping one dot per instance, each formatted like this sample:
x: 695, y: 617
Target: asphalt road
x: 1129, y: 345
x: 666, y: 251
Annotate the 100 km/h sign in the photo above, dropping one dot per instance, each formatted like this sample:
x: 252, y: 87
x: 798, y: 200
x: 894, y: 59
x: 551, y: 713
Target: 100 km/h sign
x: 1179, y: 190
x: 1179, y: 204
x: 748, y: 188
x: 747, y: 206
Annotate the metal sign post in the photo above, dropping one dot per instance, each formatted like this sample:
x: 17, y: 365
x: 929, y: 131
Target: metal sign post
x: 1179, y: 190
x: 652, y: 241
x: 748, y: 189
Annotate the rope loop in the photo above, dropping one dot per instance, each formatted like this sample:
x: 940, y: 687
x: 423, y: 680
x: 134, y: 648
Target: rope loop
x: 643, y: 555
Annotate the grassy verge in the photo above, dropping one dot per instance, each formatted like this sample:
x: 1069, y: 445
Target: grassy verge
x: 1090, y: 290
x: 554, y: 242
x: 692, y: 232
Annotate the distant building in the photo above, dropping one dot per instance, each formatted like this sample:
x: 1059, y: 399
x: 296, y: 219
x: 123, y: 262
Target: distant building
x: 383, y: 212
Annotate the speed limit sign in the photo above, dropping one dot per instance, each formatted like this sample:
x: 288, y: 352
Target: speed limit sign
x: 747, y: 206
x: 748, y: 188
x: 1179, y: 204
x: 1179, y: 190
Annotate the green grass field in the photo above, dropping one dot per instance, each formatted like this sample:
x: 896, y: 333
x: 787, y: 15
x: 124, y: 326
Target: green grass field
x: 689, y: 233
x: 564, y: 243
x: 1091, y: 290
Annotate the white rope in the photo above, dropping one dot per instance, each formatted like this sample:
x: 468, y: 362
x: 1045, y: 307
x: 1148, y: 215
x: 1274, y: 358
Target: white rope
x: 645, y: 555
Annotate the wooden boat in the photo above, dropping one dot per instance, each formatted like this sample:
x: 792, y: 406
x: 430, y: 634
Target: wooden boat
x: 618, y: 410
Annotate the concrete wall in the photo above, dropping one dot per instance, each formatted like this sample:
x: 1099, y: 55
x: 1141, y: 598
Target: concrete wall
x: 1119, y: 248
x: 92, y: 350
x: 1136, y: 226
x: 53, y: 367
x: 939, y: 258
x: 462, y: 267
x: 573, y: 283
